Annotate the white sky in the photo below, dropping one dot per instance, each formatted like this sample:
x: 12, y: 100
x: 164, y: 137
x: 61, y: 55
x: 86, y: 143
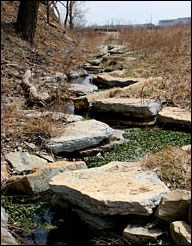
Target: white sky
x: 134, y: 12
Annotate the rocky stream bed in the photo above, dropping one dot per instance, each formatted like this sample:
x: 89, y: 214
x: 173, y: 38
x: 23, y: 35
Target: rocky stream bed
x: 91, y: 186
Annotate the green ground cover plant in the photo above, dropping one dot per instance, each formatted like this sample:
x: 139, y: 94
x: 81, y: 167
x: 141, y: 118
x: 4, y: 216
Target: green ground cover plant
x: 138, y: 143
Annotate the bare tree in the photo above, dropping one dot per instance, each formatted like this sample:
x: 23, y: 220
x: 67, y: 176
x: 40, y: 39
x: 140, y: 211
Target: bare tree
x: 71, y: 10
x: 74, y: 13
x: 67, y: 13
x: 78, y: 14
x: 47, y: 4
x: 27, y: 19
x: 53, y: 4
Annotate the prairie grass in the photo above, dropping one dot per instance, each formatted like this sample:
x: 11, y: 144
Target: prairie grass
x: 172, y: 165
x: 168, y: 52
x: 161, y: 52
x: 18, y: 128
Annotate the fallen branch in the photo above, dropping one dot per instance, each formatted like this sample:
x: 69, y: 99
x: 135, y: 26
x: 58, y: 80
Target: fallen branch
x: 30, y: 90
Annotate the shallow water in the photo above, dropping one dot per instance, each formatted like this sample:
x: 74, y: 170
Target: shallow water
x: 71, y: 231
x: 86, y: 80
x: 68, y: 231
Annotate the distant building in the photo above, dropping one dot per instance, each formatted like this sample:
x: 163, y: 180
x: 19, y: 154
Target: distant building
x: 144, y: 26
x: 116, y: 28
x: 162, y: 23
x: 172, y: 22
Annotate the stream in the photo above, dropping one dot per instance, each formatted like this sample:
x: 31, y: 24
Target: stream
x: 55, y: 227
x: 69, y: 231
x: 62, y: 227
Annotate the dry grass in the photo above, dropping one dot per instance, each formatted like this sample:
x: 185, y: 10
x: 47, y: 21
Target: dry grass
x: 172, y: 165
x: 166, y: 52
x: 18, y: 128
x: 161, y: 52
x: 89, y: 42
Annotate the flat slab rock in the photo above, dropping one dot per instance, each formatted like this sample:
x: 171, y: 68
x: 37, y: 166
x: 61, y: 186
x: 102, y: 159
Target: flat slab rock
x: 80, y: 135
x: 53, y: 115
x: 38, y: 180
x: 22, y: 161
x: 140, y: 235
x: 174, y: 206
x: 116, y: 188
x: 82, y: 89
x: 134, y: 107
x: 107, y: 80
x: 174, y: 115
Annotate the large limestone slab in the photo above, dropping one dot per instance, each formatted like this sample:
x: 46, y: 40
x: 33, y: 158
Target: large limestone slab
x: 134, y: 90
x: 38, y: 181
x: 80, y: 135
x: 131, y: 107
x: 106, y: 80
x: 175, y: 117
x: 98, y: 222
x: 116, y: 188
x: 22, y: 161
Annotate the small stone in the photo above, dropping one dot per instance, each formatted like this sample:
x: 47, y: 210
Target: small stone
x: 180, y: 232
x: 174, y: 205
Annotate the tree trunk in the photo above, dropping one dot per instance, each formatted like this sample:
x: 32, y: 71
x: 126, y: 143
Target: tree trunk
x: 27, y: 19
x: 71, y: 14
x: 67, y: 13
x: 48, y: 11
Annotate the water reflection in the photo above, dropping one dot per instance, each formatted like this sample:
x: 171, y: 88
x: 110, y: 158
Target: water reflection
x: 52, y: 231
x: 87, y: 80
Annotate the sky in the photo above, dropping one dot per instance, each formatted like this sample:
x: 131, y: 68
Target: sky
x: 134, y: 12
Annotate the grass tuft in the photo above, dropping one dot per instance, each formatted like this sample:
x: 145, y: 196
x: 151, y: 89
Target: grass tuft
x: 172, y: 165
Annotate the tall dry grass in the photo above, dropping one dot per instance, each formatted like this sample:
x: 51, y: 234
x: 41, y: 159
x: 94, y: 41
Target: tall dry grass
x: 168, y: 50
x: 163, y: 52
x: 18, y: 128
x: 172, y: 165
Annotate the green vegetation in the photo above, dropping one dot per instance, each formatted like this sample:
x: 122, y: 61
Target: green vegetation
x: 139, y: 142
x: 30, y: 214
x: 26, y: 215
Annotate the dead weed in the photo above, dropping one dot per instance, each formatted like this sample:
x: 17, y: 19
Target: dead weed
x: 172, y: 165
